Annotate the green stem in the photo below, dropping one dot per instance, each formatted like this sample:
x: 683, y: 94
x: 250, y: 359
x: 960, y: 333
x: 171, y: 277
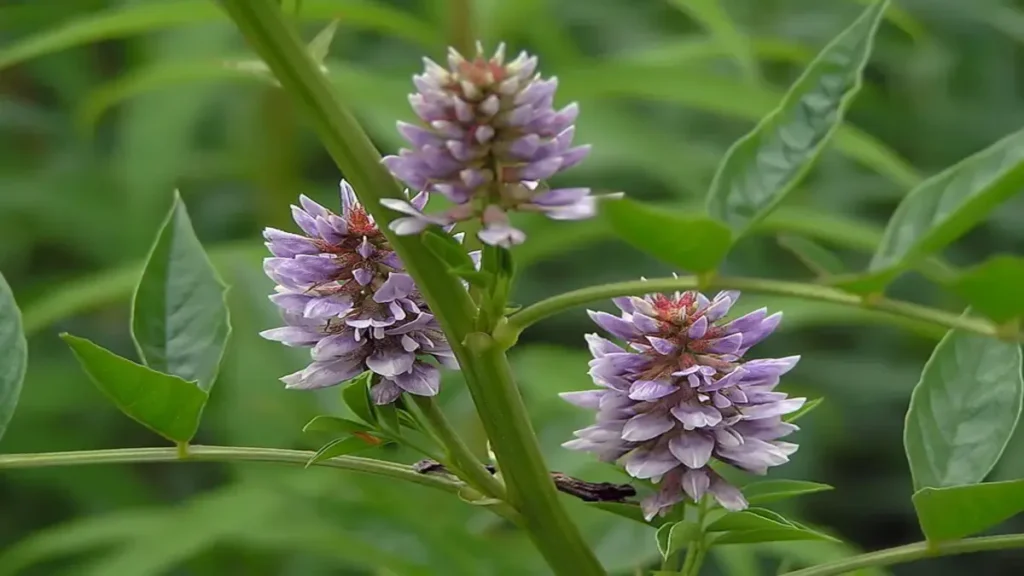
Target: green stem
x: 912, y: 552
x: 530, y: 489
x: 462, y: 457
x: 519, y: 321
x: 226, y: 454
x: 460, y: 22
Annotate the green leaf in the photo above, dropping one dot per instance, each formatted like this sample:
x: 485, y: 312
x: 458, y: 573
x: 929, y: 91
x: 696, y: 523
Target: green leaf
x: 356, y: 394
x: 775, y: 490
x: 149, y: 17
x: 713, y: 17
x: 475, y: 277
x: 766, y: 165
x: 770, y: 535
x: 320, y: 46
x: 447, y: 249
x: 334, y: 425
x: 13, y: 355
x: 179, y: 315
x: 661, y: 537
x: 804, y: 410
x: 815, y: 257
x: 387, y: 416
x: 165, y: 404
x: 681, y: 534
x: 960, y: 511
x: 963, y: 411
x: 943, y: 208
x: 749, y: 519
x: 993, y: 287
x: 339, y: 447
x: 694, y: 243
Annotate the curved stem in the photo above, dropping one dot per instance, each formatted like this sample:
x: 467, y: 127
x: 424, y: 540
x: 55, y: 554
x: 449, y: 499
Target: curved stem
x: 226, y: 454
x: 912, y: 552
x: 536, y: 312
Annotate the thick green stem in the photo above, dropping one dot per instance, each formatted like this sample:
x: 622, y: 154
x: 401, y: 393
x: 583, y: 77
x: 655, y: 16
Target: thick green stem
x: 911, y: 553
x: 530, y: 489
x: 225, y: 454
x: 462, y: 458
x: 519, y: 321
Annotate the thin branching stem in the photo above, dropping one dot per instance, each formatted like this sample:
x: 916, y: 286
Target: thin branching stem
x: 507, y: 334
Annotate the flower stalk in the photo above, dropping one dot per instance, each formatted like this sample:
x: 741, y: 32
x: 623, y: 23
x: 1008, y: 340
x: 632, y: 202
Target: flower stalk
x: 507, y: 334
x: 530, y: 489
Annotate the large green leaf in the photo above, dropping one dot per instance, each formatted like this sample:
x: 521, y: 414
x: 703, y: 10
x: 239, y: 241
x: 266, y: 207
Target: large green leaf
x: 694, y: 243
x: 959, y: 511
x: 993, y: 287
x: 166, y: 404
x: 963, y: 411
x: 13, y: 354
x: 140, y: 18
x: 760, y: 525
x: 179, y: 315
x: 766, y: 164
x: 944, y: 207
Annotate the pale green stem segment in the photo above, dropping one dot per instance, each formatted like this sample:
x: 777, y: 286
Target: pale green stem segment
x: 911, y: 553
x: 226, y: 454
x: 509, y: 332
x: 508, y: 426
x: 530, y: 487
x: 461, y: 456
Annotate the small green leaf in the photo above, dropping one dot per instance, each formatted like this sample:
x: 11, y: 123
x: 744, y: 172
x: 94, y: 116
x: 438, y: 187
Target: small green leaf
x: 804, y: 410
x: 993, y: 287
x: 944, y: 207
x: 694, y: 243
x: 356, y: 394
x: 387, y: 416
x: 661, y: 537
x: 815, y: 257
x: 13, y: 355
x: 334, y: 425
x: 775, y: 490
x: 749, y: 519
x: 179, y: 316
x: 165, y: 404
x: 764, y: 166
x: 680, y: 535
x: 447, y: 249
x: 963, y: 411
x: 630, y: 511
x: 321, y: 43
x: 339, y: 447
x: 475, y: 277
x: 960, y: 511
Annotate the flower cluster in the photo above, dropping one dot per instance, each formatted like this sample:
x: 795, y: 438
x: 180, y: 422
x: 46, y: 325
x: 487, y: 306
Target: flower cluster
x: 683, y: 394
x: 491, y: 137
x: 343, y: 293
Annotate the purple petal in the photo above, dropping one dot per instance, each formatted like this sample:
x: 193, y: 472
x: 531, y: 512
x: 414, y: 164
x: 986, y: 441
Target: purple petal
x: 648, y: 390
x: 646, y: 426
x: 390, y: 362
x: 615, y: 325
x: 600, y: 346
x: 645, y: 464
x: 695, y: 483
x: 396, y: 286
x: 323, y: 374
x: 774, y: 409
x: 727, y: 495
x: 292, y: 336
x: 304, y: 220
x: 727, y: 345
x: 693, y: 449
x: 327, y: 307
x: 422, y: 380
x: 585, y: 398
x: 694, y: 415
x: 560, y: 196
x: 385, y: 392
x: 288, y: 245
x: 362, y: 276
x: 698, y: 328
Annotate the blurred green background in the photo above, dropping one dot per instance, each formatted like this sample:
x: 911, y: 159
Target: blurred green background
x: 107, y: 106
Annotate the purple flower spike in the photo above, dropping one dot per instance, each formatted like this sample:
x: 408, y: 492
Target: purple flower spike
x: 344, y: 294
x: 681, y: 395
x: 490, y: 136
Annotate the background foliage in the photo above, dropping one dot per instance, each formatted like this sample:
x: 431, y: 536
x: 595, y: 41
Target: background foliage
x: 103, y: 119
